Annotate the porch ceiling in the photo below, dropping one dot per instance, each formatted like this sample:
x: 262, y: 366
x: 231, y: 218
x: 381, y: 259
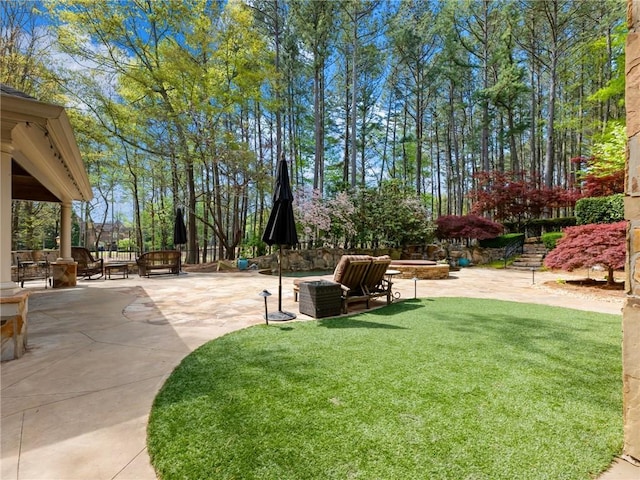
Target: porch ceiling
x: 46, y: 163
x: 25, y: 187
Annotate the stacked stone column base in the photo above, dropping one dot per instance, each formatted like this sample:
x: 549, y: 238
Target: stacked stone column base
x: 64, y: 274
x: 13, y: 329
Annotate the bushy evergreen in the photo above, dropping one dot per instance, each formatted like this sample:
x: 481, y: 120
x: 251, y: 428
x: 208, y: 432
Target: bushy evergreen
x: 600, y: 209
x: 550, y: 239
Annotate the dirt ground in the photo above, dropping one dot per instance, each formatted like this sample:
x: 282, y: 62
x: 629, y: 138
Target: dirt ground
x: 592, y: 283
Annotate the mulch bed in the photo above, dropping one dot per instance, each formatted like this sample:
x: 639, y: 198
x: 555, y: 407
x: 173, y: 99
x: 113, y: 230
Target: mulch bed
x: 596, y: 287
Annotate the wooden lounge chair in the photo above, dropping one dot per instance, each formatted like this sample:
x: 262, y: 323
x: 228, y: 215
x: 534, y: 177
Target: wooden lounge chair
x: 87, y: 265
x: 349, y: 273
x: 375, y: 284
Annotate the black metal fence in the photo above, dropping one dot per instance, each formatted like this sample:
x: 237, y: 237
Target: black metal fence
x: 131, y: 255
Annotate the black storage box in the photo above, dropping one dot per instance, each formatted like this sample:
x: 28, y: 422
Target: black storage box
x: 320, y: 298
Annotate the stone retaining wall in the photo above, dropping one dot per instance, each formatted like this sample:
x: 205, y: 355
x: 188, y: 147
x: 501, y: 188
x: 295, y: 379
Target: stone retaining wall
x: 314, y: 259
x: 325, y: 259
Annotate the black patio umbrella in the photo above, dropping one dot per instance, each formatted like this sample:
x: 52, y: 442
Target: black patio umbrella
x: 179, y: 233
x: 281, y: 229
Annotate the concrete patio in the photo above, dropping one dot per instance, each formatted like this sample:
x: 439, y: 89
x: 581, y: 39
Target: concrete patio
x: 76, y: 405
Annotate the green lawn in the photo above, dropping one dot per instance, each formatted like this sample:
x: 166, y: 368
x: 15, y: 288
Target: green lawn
x: 444, y: 388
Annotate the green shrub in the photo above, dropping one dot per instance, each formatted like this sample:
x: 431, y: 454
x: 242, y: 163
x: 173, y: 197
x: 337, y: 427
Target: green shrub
x: 553, y: 224
x: 600, y: 209
x: 501, y: 241
x: 550, y: 239
x: 536, y: 226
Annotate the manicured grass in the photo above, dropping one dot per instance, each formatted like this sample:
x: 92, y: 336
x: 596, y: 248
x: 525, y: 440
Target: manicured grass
x: 444, y: 388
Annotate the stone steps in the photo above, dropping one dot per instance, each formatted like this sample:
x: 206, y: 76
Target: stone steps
x: 531, y: 258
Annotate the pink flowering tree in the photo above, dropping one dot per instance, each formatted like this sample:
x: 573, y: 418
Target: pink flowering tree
x: 323, y: 219
x: 585, y: 246
x: 311, y: 213
x: 342, y: 213
x: 384, y: 216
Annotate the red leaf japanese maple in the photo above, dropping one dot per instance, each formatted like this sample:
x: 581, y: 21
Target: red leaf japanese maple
x: 516, y: 196
x: 585, y: 246
x: 467, y: 226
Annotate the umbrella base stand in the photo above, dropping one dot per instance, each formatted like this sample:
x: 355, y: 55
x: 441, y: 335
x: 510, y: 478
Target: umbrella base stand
x: 281, y: 316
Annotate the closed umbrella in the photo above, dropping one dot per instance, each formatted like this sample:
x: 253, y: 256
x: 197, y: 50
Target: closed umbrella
x: 281, y: 228
x: 179, y: 233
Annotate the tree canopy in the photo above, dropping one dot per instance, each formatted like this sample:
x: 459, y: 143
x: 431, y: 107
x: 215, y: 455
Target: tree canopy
x: 191, y: 103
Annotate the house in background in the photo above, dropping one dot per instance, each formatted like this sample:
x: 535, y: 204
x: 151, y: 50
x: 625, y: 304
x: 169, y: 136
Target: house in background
x: 106, y: 235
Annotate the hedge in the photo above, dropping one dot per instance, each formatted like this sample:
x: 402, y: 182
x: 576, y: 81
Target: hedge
x: 600, y: 209
x: 543, y: 224
x: 501, y: 241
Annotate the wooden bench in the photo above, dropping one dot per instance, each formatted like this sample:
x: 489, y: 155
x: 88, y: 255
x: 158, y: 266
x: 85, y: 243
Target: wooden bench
x: 162, y: 260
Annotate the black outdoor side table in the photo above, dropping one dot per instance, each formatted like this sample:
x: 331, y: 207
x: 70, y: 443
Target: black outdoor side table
x: 320, y: 298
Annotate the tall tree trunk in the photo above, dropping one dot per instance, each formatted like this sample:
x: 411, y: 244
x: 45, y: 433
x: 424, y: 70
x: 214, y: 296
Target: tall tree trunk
x: 385, y: 145
x: 405, y: 156
x: 549, y: 163
x: 438, y: 166
x: 513, y: 146
x: 347, y: 128
x: 276, y: 20
x: 419, y: 130
x: 318, y: 90
x: 450, y: 170
x: 484, y: 139
x: 354, y: 103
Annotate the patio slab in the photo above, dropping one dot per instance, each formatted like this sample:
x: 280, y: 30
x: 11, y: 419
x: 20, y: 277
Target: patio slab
x: 76, y: 405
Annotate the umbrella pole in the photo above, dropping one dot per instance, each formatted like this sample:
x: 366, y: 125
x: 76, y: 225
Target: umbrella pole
x: 280, y: 315
x: 280, y: 280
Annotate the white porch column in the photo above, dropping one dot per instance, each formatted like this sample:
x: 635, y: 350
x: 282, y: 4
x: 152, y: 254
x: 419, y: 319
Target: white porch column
x: 64, y: 269
x: 65, y: 233
x: 7, y: 287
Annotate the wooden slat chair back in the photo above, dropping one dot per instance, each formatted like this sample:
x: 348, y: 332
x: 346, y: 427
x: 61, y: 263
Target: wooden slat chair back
x: 374, y: 283
x: 159, y: 261
x: 350, y: 273
x: 87, y: 265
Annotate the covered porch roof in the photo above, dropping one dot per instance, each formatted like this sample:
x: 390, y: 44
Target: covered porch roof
x: 45, y: 160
